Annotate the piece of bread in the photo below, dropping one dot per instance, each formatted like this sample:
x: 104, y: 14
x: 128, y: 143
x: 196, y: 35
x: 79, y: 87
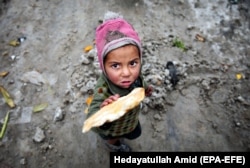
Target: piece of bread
x: 115, y: 110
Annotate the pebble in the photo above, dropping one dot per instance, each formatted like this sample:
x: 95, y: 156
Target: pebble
x: 23, y: 161
x: 46, y: 146
x: 205, y: 84
x: 92, y: 54
x: 157, y: 117
x: 58, y: 114
x: 237, y: 124
x: 39, y: 135
x: 13, y: 57
x: 11, y: 81
x: 33, y: 77
x: 84, y: 60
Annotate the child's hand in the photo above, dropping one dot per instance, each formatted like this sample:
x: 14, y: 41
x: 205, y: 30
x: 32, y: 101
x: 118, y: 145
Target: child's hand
x: 149, y: 91
x: 109, y: 100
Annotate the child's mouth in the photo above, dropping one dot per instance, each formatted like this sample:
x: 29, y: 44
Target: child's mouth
x: 126, y: 83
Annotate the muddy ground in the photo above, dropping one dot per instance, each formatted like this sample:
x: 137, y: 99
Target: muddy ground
x: 207, y: 111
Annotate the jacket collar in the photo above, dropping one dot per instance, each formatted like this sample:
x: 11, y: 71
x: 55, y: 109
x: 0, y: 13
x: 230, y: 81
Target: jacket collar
x: 114, y: 89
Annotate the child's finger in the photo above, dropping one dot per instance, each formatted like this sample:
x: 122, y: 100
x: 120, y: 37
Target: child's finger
x: 110, y: 100
x: 114, y: 97
x: 103, y: 104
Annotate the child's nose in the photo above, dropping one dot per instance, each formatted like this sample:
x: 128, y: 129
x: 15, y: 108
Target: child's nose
x: 125, y: 71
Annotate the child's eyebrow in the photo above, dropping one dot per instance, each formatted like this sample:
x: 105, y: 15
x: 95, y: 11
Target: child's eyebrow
x: 135, y: 59
x: 117, y: 62
x: 113, y: 62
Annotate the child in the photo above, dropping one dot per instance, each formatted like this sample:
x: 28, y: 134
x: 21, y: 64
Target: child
x: 120, y: 56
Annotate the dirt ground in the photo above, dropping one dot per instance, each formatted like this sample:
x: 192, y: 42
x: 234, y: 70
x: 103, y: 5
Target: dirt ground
x: 209, y: 110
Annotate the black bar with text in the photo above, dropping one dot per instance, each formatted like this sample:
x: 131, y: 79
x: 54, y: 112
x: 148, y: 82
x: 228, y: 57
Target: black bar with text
x: 180, y: 159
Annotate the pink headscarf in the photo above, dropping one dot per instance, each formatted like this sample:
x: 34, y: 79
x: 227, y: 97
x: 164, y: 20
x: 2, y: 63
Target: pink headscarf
x: 112, y: 34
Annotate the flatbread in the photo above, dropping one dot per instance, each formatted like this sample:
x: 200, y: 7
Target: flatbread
x: 115, y: 110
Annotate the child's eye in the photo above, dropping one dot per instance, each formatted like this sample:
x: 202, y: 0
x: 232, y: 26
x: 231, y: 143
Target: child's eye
x: 115, y: 66
x: 133, y: 63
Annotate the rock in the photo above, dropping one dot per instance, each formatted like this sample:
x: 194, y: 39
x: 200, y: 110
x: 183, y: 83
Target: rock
x: 205, y: 84
x: 144, y: 109
x: 58, y: 114
x: 96, y: 65
x: 11, y: 81
x: 190, y: 27
x: 18, y: 96
x: 92, y: 54
x: 45, y: 147
x: 33, y: 77
x: 84, y: 60
x: 23, y: 161
x: 26, y: 113
x: 242, y: 100
x: 52, y: 79
x: 155, y: 79
x: 154, y: 135
x: 90, y: 84
x: 157, y: 117
x: 219, y: 96
x: 158, y: 127
x: 73, y: 108
x: 13, y: 57
x: 237, y: 124
x: 166, y: 72
x: 39, y: 135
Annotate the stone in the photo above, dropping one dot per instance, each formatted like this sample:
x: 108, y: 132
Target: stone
x: 39, y: 135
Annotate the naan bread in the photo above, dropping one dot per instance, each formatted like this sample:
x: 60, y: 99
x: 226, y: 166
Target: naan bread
x: 115, y: 110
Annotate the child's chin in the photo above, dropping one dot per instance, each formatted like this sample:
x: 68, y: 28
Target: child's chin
x: 125, y: 86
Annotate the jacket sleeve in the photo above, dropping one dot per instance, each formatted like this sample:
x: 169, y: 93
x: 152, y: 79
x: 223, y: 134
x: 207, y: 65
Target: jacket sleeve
x: 100, y: 95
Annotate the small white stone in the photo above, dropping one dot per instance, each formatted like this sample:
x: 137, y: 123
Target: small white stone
x: 23, y: 161
x: 39, y: 135
x: 58, y: 114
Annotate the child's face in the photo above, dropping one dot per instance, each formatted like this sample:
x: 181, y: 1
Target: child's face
x: 123, y: 65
